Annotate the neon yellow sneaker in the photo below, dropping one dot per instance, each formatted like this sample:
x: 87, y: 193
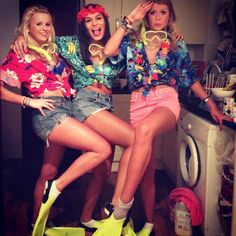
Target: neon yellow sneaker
x: 144, y: 232
x: 110, y: 227
x: 65, y: 231
x: 39, y: 226
x: 128, y: 230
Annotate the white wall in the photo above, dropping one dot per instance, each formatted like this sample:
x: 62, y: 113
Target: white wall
x: 11, y: 145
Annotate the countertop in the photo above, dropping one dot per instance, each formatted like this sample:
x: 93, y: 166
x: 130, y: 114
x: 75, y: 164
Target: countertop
x: 200, y: 109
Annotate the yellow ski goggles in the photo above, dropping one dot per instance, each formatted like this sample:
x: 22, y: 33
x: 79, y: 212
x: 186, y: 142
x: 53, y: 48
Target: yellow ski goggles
x: 96, y: 50
x: 153, y: 38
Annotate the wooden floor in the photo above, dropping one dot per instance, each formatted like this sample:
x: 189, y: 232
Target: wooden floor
x: 18, y: 182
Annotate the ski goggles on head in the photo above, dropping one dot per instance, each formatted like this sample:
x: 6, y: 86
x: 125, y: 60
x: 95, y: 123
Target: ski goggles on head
x: 96, y: 51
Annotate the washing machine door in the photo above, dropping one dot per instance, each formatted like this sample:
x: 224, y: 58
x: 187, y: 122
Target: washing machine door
x: 189, y: 161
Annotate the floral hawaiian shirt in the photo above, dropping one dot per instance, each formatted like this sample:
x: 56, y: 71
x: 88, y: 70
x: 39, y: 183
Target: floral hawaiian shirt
x: 171, y: 67
x: 36, y: 76
x: 84, y: 75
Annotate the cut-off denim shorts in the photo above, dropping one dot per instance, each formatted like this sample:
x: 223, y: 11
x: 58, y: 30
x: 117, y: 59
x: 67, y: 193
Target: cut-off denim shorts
x: 43, y: 125
x: 88, y: 102
x: 141, y: 107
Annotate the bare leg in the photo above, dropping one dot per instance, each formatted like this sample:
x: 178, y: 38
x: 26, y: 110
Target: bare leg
x: 75, y: 135
x: 156, y: 123
x: 121, y: 134
x: 95, y: 187
x: 52, y: 158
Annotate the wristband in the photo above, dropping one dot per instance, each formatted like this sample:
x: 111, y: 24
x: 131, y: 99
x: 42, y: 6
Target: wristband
x: 125, y: 23
x: 206, y: 99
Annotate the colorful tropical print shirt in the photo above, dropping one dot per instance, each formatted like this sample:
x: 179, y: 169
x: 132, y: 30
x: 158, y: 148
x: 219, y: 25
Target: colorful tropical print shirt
x: 36, y: 76
x: 171, y: 67
x: 84, y: 75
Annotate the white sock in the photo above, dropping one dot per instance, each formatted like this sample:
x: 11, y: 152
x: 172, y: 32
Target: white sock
x: 54, y: 192
x: 90, y: 223
x: 148, y: 226
x: 121, y: 210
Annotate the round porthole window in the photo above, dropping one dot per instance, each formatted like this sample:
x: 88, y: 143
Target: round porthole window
x: 189, y: 161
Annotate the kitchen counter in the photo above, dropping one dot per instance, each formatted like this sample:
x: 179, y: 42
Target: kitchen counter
x: 200, y: 109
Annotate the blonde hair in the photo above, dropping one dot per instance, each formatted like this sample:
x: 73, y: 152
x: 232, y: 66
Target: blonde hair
x: 23, y: 28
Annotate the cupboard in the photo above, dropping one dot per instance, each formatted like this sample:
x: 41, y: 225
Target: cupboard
x: 192, y: 16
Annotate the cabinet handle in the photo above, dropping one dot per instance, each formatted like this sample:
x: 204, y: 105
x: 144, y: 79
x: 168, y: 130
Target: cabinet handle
x: 117, y: 23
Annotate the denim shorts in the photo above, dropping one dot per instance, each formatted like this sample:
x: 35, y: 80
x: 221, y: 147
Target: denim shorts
x: 43, y: 125
x: 88, y: 102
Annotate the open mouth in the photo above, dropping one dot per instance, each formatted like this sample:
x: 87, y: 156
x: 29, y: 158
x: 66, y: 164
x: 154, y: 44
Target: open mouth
x: 96, y: 32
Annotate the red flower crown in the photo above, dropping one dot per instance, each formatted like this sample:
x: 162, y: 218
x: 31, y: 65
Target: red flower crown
x: 90, y: 10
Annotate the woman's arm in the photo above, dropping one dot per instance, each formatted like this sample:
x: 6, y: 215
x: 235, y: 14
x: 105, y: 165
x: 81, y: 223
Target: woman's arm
x: 112, y: 46
x: 217, y: 115
x: 9, y: 96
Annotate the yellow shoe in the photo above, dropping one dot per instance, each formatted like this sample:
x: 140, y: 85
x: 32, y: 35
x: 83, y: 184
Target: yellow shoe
x: 144, y: 232
x: 39, y: 226
x: 128, y: 230
x: 110, y: 227
x: 65, y: 231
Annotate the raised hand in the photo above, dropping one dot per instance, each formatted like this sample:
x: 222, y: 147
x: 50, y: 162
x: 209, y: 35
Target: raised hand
x: 140, y: 11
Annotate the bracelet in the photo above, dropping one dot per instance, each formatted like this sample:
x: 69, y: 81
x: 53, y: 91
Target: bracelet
x: 125, y: 23
x: 206, y: 99
x: 25, y: 102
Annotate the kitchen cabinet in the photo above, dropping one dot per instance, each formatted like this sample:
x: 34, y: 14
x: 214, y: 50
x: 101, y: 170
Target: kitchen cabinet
x: 192, y: 20
x: 192, y: 16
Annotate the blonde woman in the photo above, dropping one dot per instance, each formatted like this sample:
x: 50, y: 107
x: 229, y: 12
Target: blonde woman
x: 45, y: 76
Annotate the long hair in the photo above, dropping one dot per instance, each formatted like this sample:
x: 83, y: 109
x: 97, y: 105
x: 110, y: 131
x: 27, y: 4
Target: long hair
x: 23, y: 28
x: 85, y: 38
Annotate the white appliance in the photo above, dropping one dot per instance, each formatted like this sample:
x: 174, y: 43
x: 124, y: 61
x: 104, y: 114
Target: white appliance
x: 201, y: 144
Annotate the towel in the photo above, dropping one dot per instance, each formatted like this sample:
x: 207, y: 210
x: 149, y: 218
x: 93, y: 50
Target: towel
x: 190, y: 200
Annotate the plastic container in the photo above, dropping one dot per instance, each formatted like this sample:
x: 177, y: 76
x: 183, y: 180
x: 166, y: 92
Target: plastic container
x: 183, y: 226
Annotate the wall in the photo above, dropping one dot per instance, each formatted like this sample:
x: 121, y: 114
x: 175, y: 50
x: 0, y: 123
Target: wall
x: 10, y: 114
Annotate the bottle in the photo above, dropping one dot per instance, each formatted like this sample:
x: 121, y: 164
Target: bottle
x: 183, y: 226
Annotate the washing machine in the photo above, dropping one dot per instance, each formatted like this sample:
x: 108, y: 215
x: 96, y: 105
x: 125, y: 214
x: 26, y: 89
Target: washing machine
x: 201, y: 146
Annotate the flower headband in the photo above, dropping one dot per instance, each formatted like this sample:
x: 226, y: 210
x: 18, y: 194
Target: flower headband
x: 90, y: 10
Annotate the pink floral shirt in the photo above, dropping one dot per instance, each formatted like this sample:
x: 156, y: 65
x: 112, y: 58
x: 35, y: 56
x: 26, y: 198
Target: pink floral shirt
x: 36, y: 76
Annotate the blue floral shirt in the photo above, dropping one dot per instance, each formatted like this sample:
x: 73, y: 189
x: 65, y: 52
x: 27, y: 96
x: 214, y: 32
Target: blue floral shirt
x: 84, y: 75
x: 171, y: 67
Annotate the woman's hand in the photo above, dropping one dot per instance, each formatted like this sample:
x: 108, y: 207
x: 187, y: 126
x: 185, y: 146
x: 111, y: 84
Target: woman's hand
x: 218, y: 116
x: 140, y: 11
x: 177, y: 34
x: 19, y: 46
x: 41, y: 104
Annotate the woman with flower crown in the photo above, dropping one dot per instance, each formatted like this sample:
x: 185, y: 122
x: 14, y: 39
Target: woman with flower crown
x: 157, y: 65
x: 46, y: 78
